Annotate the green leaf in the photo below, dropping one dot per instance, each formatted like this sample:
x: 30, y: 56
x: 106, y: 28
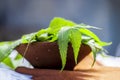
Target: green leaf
x: 65, y: 35
x: 41, y: 32
x: 94, y: 48
x: 8, y: 62
x: 57, y: 23
x: 75, y: 39
x: 92, y: 35
x: 86, y: 26
x: 63, y: 39
x: 13, y: 61
x: 28, y: 38
x: 7, y: 47
x: 18, y: 57
x: 54, y: 38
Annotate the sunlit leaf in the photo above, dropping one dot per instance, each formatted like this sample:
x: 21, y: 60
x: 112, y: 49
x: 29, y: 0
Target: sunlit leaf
x: 7, y: 47
x: 75, y: 39
x: 57, y: 23
x: 63, y: 39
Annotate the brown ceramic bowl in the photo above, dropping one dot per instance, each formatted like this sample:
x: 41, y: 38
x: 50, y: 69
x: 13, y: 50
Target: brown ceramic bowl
x: 45, y: 55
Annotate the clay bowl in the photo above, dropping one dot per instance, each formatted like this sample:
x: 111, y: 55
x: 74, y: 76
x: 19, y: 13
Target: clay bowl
x: 45, y: 55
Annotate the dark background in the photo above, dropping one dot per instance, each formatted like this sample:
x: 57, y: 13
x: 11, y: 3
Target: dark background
x: 18, y: 17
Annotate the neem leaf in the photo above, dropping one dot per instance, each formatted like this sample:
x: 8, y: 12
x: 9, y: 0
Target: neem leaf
x: 89, y: 33
x: 65, y: 35
x: 57, y: 23
x: 7, y: 47
x: 94, y: 48
x: 8, y: 62
x: 41, y: 32
x: 18, y: 56
x: 28, y: 38
x: 63, y: 39
x: 54, y: 38
x: 75, y: 39
x: 92, y: 35
x: 86, y: 26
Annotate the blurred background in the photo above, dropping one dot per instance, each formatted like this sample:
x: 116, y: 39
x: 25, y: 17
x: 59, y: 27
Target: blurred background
x: 18, y: 17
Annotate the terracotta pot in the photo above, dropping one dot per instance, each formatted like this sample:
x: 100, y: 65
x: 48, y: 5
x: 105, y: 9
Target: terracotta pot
x: 45, y: 55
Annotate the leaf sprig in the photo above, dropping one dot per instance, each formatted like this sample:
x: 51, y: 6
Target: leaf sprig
x: 63, y: 31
